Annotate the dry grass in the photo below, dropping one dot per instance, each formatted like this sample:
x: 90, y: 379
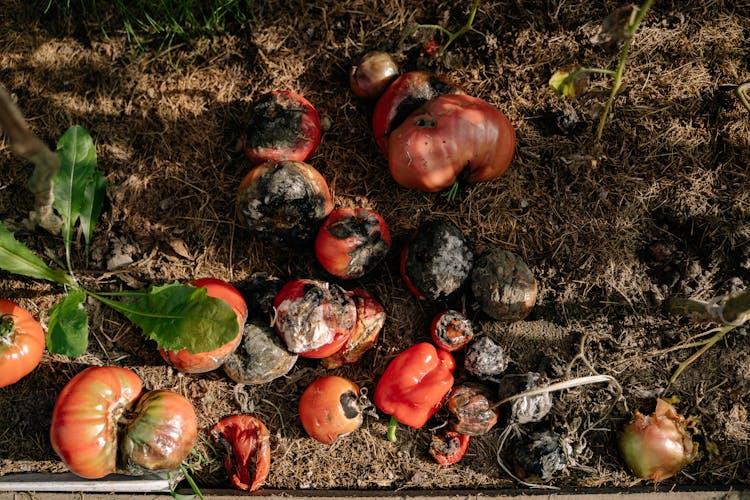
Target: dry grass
x: 673, y: 167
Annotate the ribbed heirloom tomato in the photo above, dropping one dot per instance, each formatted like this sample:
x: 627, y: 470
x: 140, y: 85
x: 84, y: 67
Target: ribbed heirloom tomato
x: 21, y: 342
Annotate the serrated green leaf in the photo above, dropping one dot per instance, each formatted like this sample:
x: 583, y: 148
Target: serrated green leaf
x: 79, y: 187
x: 68, y: 327
x: 180, y: 317
x: 16, y: 258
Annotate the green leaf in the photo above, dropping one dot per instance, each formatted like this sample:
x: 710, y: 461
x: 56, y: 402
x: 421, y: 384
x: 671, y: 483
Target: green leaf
x: 569, y: 82
x: 68, y: 327
x: 79, y: 187
x: 16, y: 258
x: 180, y: 317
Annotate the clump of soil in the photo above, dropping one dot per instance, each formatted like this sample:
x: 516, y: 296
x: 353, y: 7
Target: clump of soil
x: 584, y: 215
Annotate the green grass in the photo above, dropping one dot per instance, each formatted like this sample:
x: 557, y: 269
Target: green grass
x: 164, y: 22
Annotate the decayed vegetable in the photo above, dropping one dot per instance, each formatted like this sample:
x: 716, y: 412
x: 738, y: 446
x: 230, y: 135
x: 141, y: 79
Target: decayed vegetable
x: 540, y: 455
x: 403, y: 96
x: 415, y: 383
x: 92, y: 407
x: 352, y: 241
x: 314, y: 318
x: 330, y: 408
x: 260, y: 291
x: 245, y: 441
x: 260, y: 358
x: 528, y: 408
x: 21, y: 342
x: 201, y: 362
x: 485, y: 359
x: 448, y: 137
x: 370, y: 320
x: 471, y: 410
x: 448, y: 448
x: 503, y: 285
x: 451, y: 330
x: 657, y: 446
x: 371, y: 77
x: 283, y: 126
x: 437, y: 260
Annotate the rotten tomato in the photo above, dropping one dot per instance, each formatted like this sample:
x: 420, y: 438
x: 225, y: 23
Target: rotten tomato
x: 21, y: 342
x: 448, y: 448
x: 201, y: 362
x: 283, y: 125
x: 370, y: 320
x: 245, y: 441
x: 451, y: 330
x: 314, y: 318
x: 451, y: 136
x: 503, y: 285
x: 352, y: 241
x: 330, y: 408
x: 284, y: 202
x: 404, y: 95
x: 261, y: 358
x: 471, y: 411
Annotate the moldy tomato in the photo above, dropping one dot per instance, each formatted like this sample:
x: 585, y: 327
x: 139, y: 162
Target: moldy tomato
x: 21, y: 342
x: 201, y: 362
x: 449, y: 448
x: 352, y: 241
x: 246, y: 441
x: 329, y: 408
x: 314, y: 318
x: 261, y: 358
x: 445, y: 137
x: 404, y: 96
x: 283, y: 126
x: 284, y: 202
x: 450, y: 330
x: 503, y: 285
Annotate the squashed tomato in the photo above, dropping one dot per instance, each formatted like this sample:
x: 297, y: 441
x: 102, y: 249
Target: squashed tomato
x: 21, y: 342
x: 246, y: 442
x: 97, y: 404
x: 449, y: 448
x: 449, y: 136
x: 404, y: 96
x: 329, y: 408
x: 202, y: 362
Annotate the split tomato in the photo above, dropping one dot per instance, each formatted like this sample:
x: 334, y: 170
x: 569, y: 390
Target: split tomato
x: 98, y: 418
x: 449, y: 135
x: 329, y: 408
x: 202, y: 362
x: 21, y: 342
x: 246, y: 441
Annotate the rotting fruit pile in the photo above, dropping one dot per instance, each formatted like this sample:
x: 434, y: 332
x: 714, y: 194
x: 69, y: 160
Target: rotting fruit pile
x: 434, y: 137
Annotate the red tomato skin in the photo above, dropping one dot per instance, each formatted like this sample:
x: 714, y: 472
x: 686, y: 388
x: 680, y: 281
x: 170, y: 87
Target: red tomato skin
x: 22, y: 346
x: 447, y: 135
x: 83, y: 430
x: 202, y: 362
x: 244, y: 439
x: 352, y: 241
x: 302, y: 121
x: 328, y: 408
x: 449, y: 448
x: 402, y: 97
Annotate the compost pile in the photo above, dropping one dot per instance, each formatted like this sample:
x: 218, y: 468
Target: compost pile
x: 611, y: 229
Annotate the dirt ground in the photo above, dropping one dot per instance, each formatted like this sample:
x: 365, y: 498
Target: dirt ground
x: 612, y: 229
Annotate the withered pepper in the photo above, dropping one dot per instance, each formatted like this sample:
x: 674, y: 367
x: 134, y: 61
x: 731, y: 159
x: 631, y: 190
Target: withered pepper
x: 414, y: 385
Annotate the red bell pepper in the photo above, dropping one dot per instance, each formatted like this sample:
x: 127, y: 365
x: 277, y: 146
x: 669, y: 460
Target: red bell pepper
x: 414, y: 385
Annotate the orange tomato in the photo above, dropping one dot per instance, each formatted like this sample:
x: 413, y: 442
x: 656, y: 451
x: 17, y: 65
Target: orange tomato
x: 21, y: 342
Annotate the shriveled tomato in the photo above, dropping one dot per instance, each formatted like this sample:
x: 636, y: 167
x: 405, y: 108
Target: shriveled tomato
x: 246, y: 442
x: 283, y: 126
x: 451, y: 330
x: 314, y: 318
x: 450, y: 136
x: 329, y: 408
x: 403, y: 96
x: 284, y: 202
x: 370, y: 321
x: 161, y: 433
x: 86, y: 415
x: 202, y: 362
x: 449, y: 448
x: 352, y: 241
x: 21, y: 342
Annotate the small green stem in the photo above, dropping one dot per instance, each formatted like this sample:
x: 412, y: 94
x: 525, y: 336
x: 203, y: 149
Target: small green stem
x: 392, y: 426
x: 451, y: 35
x: 191, y: 482
x: 708, y: 344
x: 621, y: 65
x: 6, y: 326
x: 451, y: 192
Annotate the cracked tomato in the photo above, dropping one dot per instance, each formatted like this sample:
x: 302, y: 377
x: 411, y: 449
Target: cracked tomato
x: 451, y: 136
x: 21, y: 343
x: 246, y: 441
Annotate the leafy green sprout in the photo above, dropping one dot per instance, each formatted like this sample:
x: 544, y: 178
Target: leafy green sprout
x: 452, y: 36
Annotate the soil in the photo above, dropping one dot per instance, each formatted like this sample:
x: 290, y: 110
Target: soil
x: 612, y: 229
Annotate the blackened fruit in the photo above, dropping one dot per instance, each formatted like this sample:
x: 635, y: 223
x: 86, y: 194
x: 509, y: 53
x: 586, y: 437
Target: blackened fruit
x: 485, y: 359
x: 436, y: 262
x: 451, y: 330
x: 471, y: 409
x: 527, y: 408
x: 352, y: 241
x: 314, y: 318
x: 259, y: 292
x: 282, y: 126
x: 260, y: 358
x: 503, y: 285
x: 284, y: 201
x: 540, y: 456
x: 329, y: 408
